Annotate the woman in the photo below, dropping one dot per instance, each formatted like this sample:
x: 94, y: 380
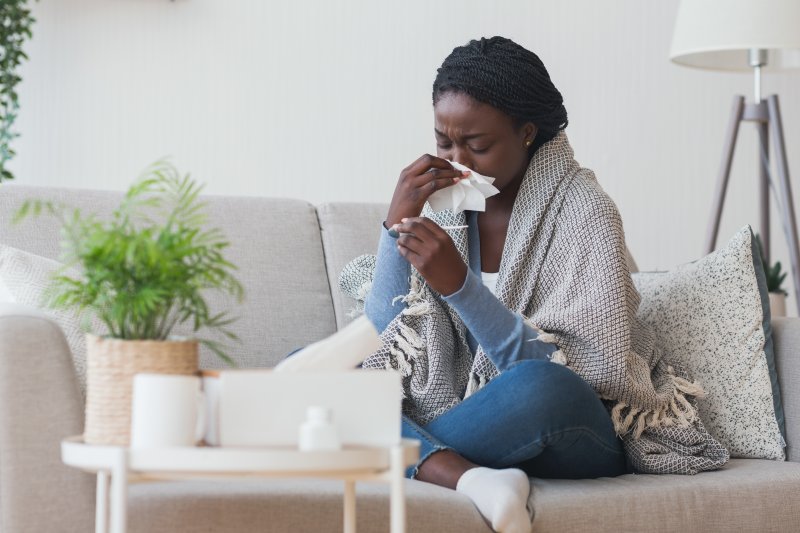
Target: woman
x: 516, y: 335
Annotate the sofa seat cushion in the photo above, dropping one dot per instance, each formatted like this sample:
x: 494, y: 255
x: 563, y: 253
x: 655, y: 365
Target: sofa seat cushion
x: 292, y: 505
x: 745, y: 495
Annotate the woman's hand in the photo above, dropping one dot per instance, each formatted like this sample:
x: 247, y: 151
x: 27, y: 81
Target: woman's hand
x: 431, y: 251
x: 417, y: 182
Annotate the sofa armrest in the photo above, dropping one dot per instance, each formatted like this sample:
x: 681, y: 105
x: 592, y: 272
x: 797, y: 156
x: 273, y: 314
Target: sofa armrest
x: 40, y: 403
x: 786, y: 339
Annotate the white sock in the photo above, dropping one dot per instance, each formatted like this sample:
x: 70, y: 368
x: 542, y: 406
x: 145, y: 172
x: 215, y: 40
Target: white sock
x: 501, y: 497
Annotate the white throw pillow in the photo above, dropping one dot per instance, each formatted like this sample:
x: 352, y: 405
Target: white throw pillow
x: 5, y: 294
x: 24, y: 277
x: 708, y: 315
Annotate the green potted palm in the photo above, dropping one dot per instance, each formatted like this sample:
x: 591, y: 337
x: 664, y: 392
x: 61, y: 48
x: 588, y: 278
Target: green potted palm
x: 775, y: 278
x: 143, y: 272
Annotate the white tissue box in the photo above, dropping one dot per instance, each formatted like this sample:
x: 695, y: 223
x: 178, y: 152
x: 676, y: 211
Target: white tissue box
x: 266, y: 408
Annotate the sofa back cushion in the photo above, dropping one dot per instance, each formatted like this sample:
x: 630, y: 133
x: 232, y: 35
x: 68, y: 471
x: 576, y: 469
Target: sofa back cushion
x: 275, y: 243
x: 349, y: 229
x: 786, y: 336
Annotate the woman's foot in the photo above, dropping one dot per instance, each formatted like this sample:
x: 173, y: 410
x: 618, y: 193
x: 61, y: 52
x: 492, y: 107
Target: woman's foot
x: 501, y: 496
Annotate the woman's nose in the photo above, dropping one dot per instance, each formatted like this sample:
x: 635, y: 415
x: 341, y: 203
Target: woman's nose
x: 460, y: 156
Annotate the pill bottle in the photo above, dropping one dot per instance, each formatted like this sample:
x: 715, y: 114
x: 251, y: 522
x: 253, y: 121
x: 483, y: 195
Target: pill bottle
x: 318, y: 431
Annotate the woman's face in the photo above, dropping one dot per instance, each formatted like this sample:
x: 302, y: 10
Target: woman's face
x: 481, y: 137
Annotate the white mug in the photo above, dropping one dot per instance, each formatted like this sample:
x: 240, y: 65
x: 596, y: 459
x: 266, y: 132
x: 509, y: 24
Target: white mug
x: 211, y: 388
x: 167, y: 410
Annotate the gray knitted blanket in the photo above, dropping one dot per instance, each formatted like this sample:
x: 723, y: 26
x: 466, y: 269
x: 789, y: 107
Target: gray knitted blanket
x: 564, y: 269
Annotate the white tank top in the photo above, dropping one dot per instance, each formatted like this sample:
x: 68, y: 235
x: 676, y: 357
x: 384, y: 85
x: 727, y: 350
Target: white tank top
x: 490, y: 280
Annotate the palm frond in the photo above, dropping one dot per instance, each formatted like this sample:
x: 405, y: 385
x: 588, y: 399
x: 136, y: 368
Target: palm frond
x: 146, y: 268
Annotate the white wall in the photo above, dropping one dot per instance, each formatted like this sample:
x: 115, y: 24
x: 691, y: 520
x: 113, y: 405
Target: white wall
x: 328, y: 100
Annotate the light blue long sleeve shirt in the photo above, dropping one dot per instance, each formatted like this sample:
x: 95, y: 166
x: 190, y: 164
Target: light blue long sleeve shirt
x: 504, y: 335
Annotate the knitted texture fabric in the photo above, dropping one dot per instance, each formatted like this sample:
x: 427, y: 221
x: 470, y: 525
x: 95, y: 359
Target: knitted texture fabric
x: 564, y: 269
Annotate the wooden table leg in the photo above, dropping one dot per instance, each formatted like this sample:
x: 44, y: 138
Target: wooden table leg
x: 398, y: 497
x: 101, y: 503
x: 349, y: 506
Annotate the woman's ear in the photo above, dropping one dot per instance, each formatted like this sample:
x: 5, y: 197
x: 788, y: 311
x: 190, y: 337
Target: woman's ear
x: 529, y: 131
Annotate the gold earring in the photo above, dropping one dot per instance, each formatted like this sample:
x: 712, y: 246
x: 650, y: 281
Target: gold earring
x: 528, y: 143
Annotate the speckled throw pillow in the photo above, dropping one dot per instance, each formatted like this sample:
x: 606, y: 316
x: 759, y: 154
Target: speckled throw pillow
x: 708, y: 314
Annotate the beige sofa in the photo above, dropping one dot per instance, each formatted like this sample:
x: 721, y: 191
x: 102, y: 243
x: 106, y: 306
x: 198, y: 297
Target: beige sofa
x: 289, y: 254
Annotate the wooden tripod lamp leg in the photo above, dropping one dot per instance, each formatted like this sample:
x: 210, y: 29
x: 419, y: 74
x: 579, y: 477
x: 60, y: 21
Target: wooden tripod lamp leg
x: 787, y: 215
x: 724, y: 172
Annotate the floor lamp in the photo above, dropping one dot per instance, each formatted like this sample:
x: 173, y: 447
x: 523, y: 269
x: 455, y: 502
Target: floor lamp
x: 744, y: 35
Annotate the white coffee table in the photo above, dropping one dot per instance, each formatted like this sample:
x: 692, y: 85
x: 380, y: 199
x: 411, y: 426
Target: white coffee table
x: 116, y: 466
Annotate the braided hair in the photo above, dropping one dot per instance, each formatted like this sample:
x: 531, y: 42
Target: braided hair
x: 501, y: 73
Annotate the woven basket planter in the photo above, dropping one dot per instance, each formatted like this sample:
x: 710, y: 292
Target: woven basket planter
x: 110, y: 367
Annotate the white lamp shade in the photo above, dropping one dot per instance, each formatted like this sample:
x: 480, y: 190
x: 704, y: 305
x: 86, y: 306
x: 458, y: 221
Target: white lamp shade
x: 717, y: 34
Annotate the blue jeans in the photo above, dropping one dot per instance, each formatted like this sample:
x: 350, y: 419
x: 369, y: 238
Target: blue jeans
x: 538, y: 416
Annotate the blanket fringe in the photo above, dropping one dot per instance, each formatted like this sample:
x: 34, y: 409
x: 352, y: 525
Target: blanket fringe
x: 677, y: 412
x: 361, y: 297
x: 558, y: 357
x: 475, y: 383
x: 364, y: 290
x: 692, y: 389
x: 407, y: 344
x: 415, y: 300
x: 401, y: 357
x: 547, y: 337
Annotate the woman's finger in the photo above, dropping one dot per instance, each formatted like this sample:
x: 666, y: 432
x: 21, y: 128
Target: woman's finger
x: 432, y: 229
x: 422, y: 228
x: 438, y: 173
x: 431, y: 183
x: 428, y: 161
x: 410, y: 255
x: 411, y: 242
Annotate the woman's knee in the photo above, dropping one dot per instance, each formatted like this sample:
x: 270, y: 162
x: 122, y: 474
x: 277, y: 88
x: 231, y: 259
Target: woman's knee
x: 534, y: 370
x: 539, y: 376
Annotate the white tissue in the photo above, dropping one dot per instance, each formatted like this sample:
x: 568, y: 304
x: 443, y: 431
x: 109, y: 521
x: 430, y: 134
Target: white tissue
x: 469, y: 193
x: 344, y: 350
